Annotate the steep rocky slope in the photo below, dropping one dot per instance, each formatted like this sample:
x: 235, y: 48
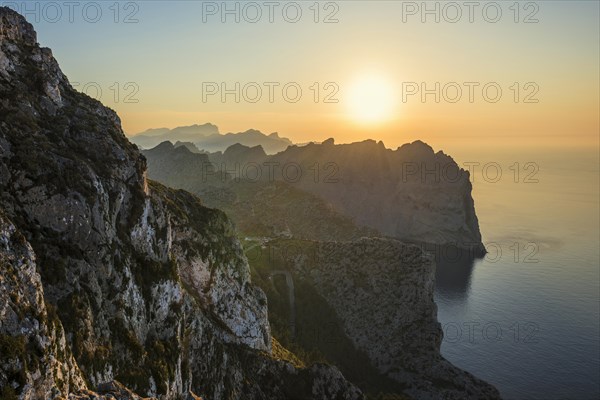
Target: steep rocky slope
x: 381, y: 290
x: 150, y: 287
x: 411, y: 193
x: 34, y: 355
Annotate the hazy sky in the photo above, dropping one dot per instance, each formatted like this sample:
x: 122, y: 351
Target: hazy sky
x: 378, y: 56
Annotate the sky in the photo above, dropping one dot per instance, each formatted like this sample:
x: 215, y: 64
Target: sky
x: 450, y: 73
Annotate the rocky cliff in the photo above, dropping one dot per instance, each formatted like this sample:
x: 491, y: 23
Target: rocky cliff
x: 411, y: 193
x: 34, y: 355
x: 107, y: 276
x: 381, y: 290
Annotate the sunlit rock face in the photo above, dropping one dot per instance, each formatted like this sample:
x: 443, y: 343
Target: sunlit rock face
x: 147, y: 286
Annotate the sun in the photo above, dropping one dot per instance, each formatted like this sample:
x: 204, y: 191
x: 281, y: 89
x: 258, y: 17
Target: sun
x: 371, y: 99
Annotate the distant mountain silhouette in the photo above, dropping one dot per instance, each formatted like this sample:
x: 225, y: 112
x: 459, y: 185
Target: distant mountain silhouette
x: 238, y: 153
x: 207, y: 137
x: 270, y: 143
x: 189, y: 145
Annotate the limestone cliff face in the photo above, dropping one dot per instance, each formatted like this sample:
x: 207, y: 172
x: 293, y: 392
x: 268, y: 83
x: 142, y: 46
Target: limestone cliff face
x: 30, y: 332
x: 382, y: 292
x: 372, y: 297
x: 35, y: 359
x: 149, y: 287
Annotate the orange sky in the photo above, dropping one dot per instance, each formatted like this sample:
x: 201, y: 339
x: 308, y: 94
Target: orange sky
x: 162, y: 75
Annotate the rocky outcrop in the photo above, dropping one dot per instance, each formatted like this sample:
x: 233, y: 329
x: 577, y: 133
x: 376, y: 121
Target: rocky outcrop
x: 35, y: 359
x: 181, y: 168
x: 382, y: 292
x: 150, y: 287
x: 412, y: 193
x: 375, y: 295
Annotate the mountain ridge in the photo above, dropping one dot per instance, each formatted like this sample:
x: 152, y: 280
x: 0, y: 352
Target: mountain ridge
x: 411, y: 193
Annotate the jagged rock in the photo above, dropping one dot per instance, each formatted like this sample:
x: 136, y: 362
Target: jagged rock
x: 412, y: 193
x: 35, y: 359
x: 381, y: 289
x: 108, y: 391
x: 258, y: 208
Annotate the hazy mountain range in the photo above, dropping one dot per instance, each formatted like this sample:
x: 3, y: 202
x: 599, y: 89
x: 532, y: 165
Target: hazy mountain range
x: 207, y: 137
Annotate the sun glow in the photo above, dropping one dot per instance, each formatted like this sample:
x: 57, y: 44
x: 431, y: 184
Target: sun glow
x: 371, y: 99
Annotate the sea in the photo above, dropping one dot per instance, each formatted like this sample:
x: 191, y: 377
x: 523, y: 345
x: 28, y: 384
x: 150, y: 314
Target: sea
x: 526, y: 316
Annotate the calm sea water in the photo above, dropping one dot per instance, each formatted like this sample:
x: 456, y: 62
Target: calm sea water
x: 527, y: 320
